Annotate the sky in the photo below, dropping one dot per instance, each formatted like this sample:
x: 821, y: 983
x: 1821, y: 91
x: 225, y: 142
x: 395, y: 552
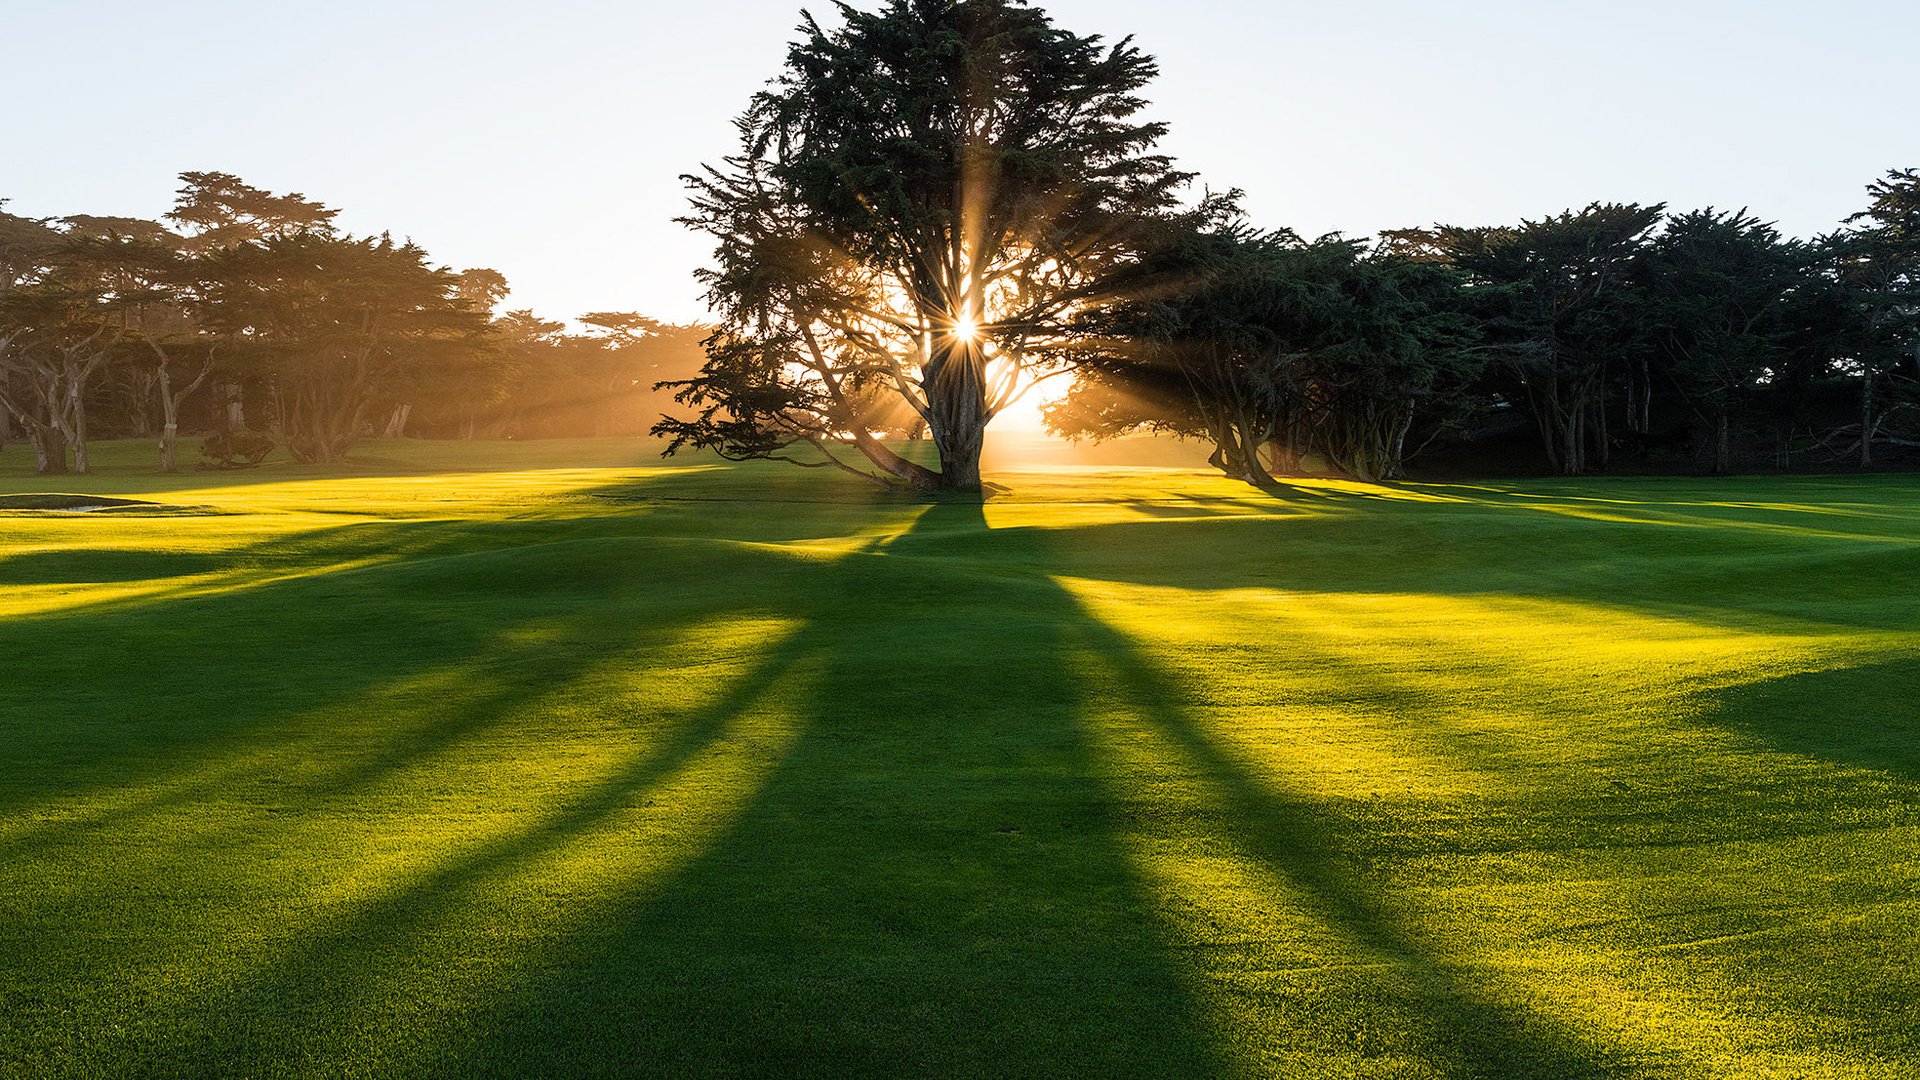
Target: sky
x: 545, y: 140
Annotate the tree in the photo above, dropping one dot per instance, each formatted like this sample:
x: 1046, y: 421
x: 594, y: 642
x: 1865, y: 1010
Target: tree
x: 72, y: 315
x: 1273, y: 348
x: 24, y: 246
x: 922, y: 206
x: 333, y: 321
x: 153, y: 290
x: 1548, y: 293
x: 1877, y: 264
x: 217, y: 210
x: 1715, y: 290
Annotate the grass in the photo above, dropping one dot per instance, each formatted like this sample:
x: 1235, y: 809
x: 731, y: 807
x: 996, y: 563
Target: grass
x: 551, y: 759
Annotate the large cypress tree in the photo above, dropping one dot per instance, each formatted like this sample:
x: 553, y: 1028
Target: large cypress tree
x: 923, y: 205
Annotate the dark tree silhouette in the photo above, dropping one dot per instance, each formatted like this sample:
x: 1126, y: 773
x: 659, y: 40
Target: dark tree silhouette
x: 921, y: 207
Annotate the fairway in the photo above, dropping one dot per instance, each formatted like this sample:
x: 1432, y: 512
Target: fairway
x: 543, y: 759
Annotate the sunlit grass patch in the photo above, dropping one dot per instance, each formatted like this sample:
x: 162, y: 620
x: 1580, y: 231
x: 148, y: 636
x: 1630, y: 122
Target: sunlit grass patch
x: 550, y: 766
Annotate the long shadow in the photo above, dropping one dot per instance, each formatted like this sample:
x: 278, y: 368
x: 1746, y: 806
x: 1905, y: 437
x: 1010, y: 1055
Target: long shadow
x: 930, y: 883
x: 128, y: 690
x: 934, y: 878
x: 354, y: 982
x: 937, y: 881
x: 1455, y: 1022
x: 1866, y: 716
x: 1721, y: 578
x: 201, y: 775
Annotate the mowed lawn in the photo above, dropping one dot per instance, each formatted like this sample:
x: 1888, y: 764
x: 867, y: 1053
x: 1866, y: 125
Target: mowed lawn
x: 554, y: 759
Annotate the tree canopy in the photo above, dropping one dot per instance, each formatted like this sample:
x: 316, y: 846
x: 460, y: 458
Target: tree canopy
x: 922, y: 208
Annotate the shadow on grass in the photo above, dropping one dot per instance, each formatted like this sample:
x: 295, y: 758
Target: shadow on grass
x: 930, y: 881
x: 937, y: 881
x: 1867, y: 716
x: 931, y: 875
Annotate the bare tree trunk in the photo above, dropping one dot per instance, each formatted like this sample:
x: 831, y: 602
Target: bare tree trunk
x: 1571, y: 443
x: 915, y: 474
x: 1866, y: 420
x: 957, y: 413
x: 169, y: 420
x: 397, y: 422
x: 49, y: 451
x: 75, y: 425
x: 233, y: 404
x: 1602, y: 453
x: 1722, y: 444
x: 1397, y: 462
x: 1646, y: 398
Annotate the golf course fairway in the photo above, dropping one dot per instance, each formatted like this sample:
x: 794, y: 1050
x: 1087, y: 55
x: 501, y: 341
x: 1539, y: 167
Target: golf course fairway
x: 543, y: 759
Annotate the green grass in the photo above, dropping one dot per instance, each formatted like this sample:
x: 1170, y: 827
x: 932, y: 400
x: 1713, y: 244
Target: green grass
x: 553, y: 759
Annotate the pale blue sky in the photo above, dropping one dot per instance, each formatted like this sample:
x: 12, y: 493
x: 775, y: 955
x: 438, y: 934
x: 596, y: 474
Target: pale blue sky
x: 544, y: 139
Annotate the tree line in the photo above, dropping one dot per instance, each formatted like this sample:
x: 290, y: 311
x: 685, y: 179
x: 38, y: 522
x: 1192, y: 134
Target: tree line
x: 939, y: 205
x: 1617, y: 335
x: 252, y: 317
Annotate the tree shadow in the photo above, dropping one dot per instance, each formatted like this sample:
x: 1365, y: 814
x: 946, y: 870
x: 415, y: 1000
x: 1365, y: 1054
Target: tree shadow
x: 930, y: 883
x: 932, y: 871
x: 1865, y: 716
x: 939, y: 881
x: 1398, y: 994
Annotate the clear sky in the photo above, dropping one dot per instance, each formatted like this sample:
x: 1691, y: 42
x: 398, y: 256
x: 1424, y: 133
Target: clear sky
x: 544, y: 139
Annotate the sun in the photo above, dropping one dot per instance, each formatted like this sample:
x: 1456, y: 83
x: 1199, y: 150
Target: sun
x: 966, y: 328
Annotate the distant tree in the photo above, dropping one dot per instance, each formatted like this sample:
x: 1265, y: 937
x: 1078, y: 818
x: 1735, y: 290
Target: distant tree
x: 534, y: 357
x: 1274, y: 348
x: 483, y: 289
x: 25, y: 244
x: 1876, y: 262
x: 1550, y: 295
x: 921, y: 207
x: 1716, y: 292
x: 100, y: 289
x: 217, y: 210
x: 149, y: 285
x: 334, y: 322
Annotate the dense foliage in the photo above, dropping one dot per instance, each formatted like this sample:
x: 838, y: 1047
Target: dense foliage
x: 935, y: 208
x: 250, y: 315
x: 920, y: 205
x: 1616, y: 336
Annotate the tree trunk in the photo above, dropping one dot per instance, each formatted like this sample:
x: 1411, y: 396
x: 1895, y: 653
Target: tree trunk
x: 49, y: 451
x: 957, y: 413
x: 140, y: 402
x: 1646, y: 398
x: 1571, y: 463
x: 1397, y: 461
x: 397, y: 422
x: 169, y: 420
x: 76, y: 422
x: 1866, y: 421
x: 1722, y: 445
x: 233, y: 397
x: 1602, y: 452
x: 918, y: 476
x: 1251, y: 468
